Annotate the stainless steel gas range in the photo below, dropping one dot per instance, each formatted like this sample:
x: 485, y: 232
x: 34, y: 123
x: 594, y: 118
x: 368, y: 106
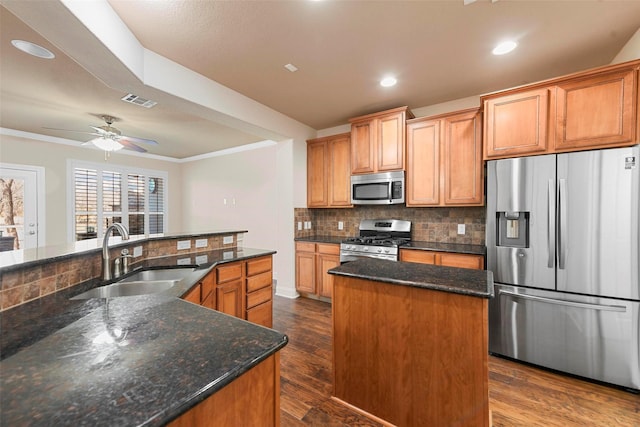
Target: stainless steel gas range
x: 377, y: 238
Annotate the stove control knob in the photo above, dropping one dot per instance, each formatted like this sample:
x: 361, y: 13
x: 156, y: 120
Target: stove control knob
x: 380, y: 250
x: 366, y: 249
x: 386, y: 251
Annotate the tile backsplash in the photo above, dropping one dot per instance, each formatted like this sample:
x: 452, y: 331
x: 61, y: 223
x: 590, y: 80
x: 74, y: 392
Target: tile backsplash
x: 428, y: 224
x: 18, y: 286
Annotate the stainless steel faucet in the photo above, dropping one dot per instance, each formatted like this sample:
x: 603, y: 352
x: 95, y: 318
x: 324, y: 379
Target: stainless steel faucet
x: 106, y: 262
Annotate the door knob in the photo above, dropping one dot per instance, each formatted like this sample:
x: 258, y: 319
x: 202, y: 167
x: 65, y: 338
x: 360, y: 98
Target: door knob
x: 32, y: 232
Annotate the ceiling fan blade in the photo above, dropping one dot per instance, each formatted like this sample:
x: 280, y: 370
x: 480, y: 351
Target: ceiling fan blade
x: 131, y: 146
x: 138, y: 140
x: 99, y: 130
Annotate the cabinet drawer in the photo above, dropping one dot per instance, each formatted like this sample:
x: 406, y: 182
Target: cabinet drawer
x: 261, y: 314
x: 259, y: 296
x: 259, y: 265
x: 228, y: 272
x: 259, y: 281
x: 461, y: 260
x: 328, y: 248
x: 412, y: 255
x: 305, y: 247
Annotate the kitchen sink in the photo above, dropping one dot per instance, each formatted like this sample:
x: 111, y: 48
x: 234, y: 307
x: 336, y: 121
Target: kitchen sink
x: 127, y: 289
x: 158, y: 275
x: 141, y: 283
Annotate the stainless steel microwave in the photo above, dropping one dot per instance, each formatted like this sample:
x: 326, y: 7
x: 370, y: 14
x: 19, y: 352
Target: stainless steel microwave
x: 386, y: 188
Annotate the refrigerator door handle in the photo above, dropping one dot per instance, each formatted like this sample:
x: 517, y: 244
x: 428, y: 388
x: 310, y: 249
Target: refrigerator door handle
x: 601, y: 307
x: 551, y: 244
x: 562, y: 226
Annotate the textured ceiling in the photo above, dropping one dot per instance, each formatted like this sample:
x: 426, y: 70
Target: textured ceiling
x: 439, y: 51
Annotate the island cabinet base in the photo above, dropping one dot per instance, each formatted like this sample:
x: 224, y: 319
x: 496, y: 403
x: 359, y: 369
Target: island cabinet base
x: 410, y: 356
x: 253, y: 399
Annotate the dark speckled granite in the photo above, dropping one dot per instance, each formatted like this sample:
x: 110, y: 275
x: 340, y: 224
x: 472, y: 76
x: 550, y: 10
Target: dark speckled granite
x: 25, y: 324
x: 446, y: 247
x: 478, y: 283
x: 123, y: 361
x: 321, y: 239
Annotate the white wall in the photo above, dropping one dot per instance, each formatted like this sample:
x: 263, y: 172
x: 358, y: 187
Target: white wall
x: 630, y: 51
x: 249, y: 179
x: 53, y: 157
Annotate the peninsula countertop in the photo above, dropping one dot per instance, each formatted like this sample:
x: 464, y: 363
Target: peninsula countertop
x: 478, y: 283
x: 124, y: 361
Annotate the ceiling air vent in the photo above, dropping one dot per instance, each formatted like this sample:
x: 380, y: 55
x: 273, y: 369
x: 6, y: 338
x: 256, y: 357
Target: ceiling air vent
x: 138, y: 100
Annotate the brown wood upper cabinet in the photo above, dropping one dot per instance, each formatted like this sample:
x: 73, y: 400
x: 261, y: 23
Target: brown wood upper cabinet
x: 329, y: 171
x: 377, y: 141
x: 444, y: 160
x: 592, y: 109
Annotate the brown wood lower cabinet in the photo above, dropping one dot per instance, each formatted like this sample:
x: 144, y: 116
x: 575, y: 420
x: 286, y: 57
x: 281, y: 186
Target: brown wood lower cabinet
x: 253, y: 399
x: 242, y: 289
x: 312, y: 262
x: 410, y: 356
x: 259, y: 291
x: 448, y: 259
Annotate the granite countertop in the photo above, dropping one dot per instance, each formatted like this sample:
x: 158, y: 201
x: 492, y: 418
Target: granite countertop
x: 477, y: 283
x: 321, y: 239
x: 124, y: 361
x: 445, y: 247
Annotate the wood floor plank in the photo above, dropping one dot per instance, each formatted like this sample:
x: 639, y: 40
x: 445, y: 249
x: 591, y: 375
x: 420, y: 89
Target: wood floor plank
x: 519, y: 394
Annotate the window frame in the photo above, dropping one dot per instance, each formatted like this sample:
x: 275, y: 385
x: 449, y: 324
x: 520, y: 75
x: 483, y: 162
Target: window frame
x: 124, y: 172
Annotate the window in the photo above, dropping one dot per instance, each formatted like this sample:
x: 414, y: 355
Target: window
x: 104, y: 194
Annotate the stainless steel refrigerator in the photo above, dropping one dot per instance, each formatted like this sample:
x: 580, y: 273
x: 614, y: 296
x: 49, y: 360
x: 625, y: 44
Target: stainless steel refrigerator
x: 563, y: 242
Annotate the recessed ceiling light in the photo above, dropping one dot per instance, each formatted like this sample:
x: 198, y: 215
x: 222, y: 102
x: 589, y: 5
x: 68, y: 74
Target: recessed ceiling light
x: 388, y: 81
x: 291, y: 68
x: 33, y: 49
x: 504, y: 47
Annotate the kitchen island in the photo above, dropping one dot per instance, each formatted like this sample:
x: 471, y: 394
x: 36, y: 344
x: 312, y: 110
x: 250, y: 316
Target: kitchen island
x: 411, y: 342
x: 142, y: 360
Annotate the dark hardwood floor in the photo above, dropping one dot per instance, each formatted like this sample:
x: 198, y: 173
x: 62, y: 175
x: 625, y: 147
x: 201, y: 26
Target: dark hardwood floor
x: 519, y: 395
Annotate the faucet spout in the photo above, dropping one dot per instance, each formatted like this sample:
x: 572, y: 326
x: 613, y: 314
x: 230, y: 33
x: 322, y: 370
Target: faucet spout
x: 106, y: 262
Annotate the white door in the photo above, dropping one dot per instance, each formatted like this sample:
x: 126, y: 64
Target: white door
x: 19, y: 203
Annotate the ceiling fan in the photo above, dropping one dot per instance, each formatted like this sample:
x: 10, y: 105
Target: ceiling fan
x: 110, y: 138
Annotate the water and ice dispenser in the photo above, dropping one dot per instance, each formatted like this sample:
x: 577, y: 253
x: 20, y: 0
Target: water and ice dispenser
x: 513, y: 229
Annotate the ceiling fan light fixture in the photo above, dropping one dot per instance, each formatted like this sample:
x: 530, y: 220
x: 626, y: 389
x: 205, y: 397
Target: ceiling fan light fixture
x: 504, y: 47
x: 107, y: 144
x: 33, y: 49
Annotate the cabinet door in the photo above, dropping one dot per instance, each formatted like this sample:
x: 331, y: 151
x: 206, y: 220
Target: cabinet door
x: 597, y: 112
x: 363, y: 137
x: 423, y: 163
x: 339, y: 175
x: 462, y: 163
x: 517, y: 124
x: 230, y: 300
x: 305, y: 272
x: 390, y: 141
x: 207, y: 291
x: 317, y: 194
x: 460, y: 260
x: 414, y: 255
x: 194, y: 295
x: 325, y: 280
